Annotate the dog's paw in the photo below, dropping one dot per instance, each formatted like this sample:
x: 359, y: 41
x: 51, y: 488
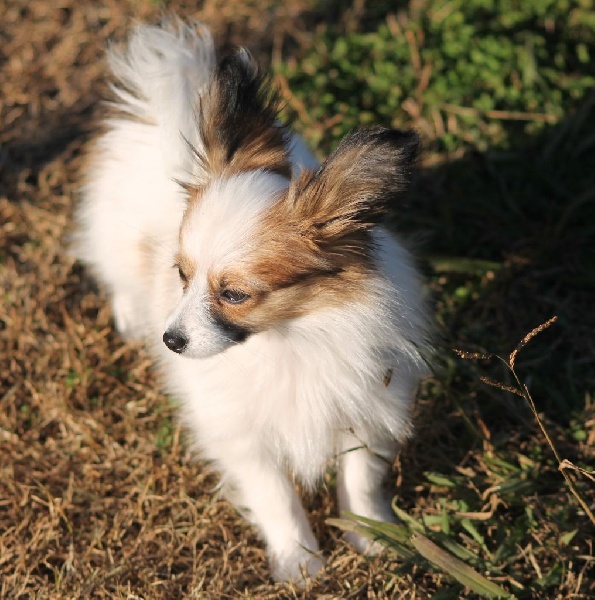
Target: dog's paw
x: 297, y: 566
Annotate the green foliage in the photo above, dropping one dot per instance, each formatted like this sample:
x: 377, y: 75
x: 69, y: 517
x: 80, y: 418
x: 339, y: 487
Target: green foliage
x: 165, y: 434
x: 407, y: 540
x: 473, y: 72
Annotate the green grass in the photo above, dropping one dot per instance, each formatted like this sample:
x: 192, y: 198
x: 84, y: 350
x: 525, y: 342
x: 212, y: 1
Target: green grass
x: 464, y: 71
x: 502, y: 213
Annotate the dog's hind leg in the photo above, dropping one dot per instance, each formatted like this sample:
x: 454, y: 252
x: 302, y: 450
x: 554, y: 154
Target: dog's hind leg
x: 128, y: 287
x: 125, y: 313
x: 363, y: 464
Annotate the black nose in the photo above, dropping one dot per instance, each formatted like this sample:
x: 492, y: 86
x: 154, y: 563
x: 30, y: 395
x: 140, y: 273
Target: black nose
x: 175, y: 341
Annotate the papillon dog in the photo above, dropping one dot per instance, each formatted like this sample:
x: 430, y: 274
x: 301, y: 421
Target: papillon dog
x: 286, y: 319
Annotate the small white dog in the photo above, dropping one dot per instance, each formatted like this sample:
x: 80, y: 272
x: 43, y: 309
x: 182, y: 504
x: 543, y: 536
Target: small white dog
x: 291, y: 326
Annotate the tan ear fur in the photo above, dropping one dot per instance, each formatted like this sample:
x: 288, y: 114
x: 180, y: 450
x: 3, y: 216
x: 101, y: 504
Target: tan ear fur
x: 354, y: 188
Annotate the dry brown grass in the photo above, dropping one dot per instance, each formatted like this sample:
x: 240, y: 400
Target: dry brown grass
x: 98, y: 496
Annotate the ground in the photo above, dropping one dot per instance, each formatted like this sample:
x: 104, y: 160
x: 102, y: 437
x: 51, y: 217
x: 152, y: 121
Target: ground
x: 99, y: 496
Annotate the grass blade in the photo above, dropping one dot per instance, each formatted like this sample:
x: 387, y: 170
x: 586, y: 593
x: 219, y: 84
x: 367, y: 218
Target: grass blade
x: 394, y: 537
x: 463, y: 573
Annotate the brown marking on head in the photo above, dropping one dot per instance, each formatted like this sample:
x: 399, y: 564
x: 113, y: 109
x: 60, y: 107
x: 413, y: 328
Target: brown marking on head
x: 186, y: 268
x: 272, y: 301
x: 314, y: 249
x: 186, y: 265
x: 237, y: 119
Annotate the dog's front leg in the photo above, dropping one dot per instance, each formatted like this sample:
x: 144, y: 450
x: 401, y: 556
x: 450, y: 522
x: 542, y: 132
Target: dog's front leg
x: 271, y: 502
x: 363, y: 463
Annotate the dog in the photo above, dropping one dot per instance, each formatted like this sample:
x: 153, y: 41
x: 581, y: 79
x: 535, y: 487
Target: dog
x: 290, y: 324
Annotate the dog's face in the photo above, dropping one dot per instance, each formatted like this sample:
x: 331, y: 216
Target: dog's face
x: 216, y: 262
x: 258, y: 249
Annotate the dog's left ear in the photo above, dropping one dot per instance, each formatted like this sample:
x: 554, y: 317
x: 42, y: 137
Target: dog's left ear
x: 237, y: 119
x: 354, y: 188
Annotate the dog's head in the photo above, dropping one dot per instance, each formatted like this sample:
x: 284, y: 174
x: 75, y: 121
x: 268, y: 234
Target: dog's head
x: 258, y: 248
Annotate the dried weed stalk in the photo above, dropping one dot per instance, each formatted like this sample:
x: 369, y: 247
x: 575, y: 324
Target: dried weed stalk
x: 564, y: 465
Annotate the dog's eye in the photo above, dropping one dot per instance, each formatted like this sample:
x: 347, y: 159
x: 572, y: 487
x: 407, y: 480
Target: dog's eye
x: 233, y: 296
x: 183, y: 276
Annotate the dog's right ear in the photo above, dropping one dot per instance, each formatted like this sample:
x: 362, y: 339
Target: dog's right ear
x: 354, y: 188
x: 237, y: 121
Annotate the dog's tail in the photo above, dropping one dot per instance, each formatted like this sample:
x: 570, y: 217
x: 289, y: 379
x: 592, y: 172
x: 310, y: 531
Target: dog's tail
x: 160, y: 74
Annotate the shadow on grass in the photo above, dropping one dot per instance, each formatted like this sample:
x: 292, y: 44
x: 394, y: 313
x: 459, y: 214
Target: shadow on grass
x: 508, y: 241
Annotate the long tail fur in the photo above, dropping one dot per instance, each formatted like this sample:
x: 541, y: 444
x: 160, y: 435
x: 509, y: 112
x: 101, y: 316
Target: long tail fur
x: 160, y: 74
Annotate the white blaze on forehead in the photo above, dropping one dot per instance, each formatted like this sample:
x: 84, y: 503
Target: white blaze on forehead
x: 220, y: 226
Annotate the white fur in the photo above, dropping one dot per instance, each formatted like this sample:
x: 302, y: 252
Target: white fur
x: 288, y: 399
x: 231, y: 205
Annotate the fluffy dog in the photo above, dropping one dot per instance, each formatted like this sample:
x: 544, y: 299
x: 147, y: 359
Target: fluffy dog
x: 288, y: 322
